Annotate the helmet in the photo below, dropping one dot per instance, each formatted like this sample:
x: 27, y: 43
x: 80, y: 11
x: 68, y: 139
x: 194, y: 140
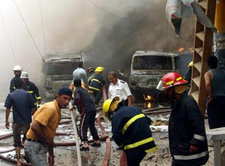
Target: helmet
x: 99, y: 69
x: 90, y: 69
x: 106, y: 105
x: 190, y: 64
x: 170, y: 80
x: 17, y: 68
x: 110, y: 105
x: 24, y: 74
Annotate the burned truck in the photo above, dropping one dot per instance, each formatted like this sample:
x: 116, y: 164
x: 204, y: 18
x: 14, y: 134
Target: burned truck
x: 59, y: 73
x: 147, y: 68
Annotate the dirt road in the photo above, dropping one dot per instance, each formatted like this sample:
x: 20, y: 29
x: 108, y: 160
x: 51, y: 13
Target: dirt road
x: 67, y: 156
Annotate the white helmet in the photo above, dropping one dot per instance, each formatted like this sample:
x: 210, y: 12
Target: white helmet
x: 17, y: 68
x: 24, y: 74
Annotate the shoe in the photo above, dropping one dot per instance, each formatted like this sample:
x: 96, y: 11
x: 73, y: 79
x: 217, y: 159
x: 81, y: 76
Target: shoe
x: 84, y: 148
x: 96, y: 144
x: 103, y: 138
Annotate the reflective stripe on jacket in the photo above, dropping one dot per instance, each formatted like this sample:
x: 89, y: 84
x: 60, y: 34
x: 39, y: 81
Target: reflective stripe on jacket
x: 96, y: 83
x: 130, y: 128
x: 186, y: 128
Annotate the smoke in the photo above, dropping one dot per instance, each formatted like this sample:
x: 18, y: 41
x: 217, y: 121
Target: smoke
x: 109, y: 32
x: 142, y: 28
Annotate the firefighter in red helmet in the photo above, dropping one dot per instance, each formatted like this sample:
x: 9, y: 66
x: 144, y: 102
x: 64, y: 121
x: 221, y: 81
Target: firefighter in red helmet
x: 187, y: 138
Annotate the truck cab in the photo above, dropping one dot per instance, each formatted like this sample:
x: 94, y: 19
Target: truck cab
x: 58, y: 72
x: 147, y: 68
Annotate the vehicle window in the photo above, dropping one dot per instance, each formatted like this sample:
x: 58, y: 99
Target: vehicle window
x: 152, y: 62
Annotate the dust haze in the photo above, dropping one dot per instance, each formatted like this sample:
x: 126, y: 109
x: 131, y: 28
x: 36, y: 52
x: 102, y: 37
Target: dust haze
x: 107, y: 31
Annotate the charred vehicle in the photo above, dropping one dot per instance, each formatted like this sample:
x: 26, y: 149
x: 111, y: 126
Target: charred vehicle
x: 147, y: 68
x: 59, y: 73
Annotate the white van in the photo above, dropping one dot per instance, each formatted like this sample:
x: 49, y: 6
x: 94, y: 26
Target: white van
x: 147, y: 68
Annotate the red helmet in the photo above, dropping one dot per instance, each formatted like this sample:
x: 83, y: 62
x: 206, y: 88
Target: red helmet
x: 171, y: 79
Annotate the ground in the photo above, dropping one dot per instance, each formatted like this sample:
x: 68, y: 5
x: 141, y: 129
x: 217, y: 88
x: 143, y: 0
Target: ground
x: 67, y: 156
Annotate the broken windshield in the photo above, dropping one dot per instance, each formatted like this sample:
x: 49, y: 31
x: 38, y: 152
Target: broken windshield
x: 152, y: 62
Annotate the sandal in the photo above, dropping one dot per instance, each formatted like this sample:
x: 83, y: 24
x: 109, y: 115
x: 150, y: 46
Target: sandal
x: 96, y: 144
x: 84, y: 148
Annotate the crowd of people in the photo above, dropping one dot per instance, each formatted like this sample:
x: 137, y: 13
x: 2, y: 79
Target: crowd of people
x: 130, y: 127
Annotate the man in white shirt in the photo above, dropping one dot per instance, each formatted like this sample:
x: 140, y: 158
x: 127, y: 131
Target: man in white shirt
x: 119, y: 88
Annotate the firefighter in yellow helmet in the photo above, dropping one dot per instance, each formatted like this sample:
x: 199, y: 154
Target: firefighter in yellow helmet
x: 131, y: 132
x: 96, y: 87
x: 188, y: 73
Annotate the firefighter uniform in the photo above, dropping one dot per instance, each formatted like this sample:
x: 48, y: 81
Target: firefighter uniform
x: 12, y: 84
x: 95, y: 87
x: 186, y: 128
x: 31, y: 88
x: 131, y: 132
x: 187, y: 137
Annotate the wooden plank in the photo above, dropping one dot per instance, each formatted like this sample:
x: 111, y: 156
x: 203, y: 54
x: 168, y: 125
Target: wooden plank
x: 198, y: 66
x: 203, y: 4
x: 195, y: 95
x: 197, y: 81
x: 199, y: 51
x: 200, y: 35
x: 202, y: 47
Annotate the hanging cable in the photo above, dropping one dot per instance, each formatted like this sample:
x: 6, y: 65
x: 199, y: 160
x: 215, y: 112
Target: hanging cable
x: 7, y: 36
x: 97, y: 6
x: 43, y: 32
x: 29, y: 31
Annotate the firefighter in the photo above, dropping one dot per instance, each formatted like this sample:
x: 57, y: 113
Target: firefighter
x: 188, y: 73
x: 31, y: 88
x: 17, y: 72
x: 97, y: 86
x: 131, y: 132
x: 187, y: 138
x: 90, y: 72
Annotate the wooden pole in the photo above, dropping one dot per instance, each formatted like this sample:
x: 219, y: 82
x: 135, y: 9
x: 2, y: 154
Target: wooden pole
x: 76, y: 137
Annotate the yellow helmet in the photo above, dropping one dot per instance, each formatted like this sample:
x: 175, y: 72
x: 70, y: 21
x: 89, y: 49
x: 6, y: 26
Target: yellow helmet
x: 110, y: 105
x: 190, y: 64
x: 99, y: 69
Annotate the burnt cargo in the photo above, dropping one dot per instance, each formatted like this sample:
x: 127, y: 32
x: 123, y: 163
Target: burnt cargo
x: 59, y: 73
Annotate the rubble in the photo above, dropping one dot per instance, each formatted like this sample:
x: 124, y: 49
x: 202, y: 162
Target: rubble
x: 67, y: 155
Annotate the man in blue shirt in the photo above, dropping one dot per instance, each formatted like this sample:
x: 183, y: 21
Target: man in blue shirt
x: 22, y: 104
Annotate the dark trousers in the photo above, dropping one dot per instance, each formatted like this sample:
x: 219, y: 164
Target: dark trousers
x: 216, y: 112
x: 96, y: 96
x: 134, y: 156
x: 88, y: 121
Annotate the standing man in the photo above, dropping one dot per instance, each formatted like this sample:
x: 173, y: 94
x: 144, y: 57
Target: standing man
x: 214, y: 82
x: 80, y: 73
x: 119, y: 88
x: 87, y: 110
x: 31, y: 88
x: 91, y: 72
x: 97, y: 86
x: 22, y: 103
x: 17, y: 72
x: 188, y: 73
x: 131, y: 131
x: 43, y: 127
x: 187, y: 138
